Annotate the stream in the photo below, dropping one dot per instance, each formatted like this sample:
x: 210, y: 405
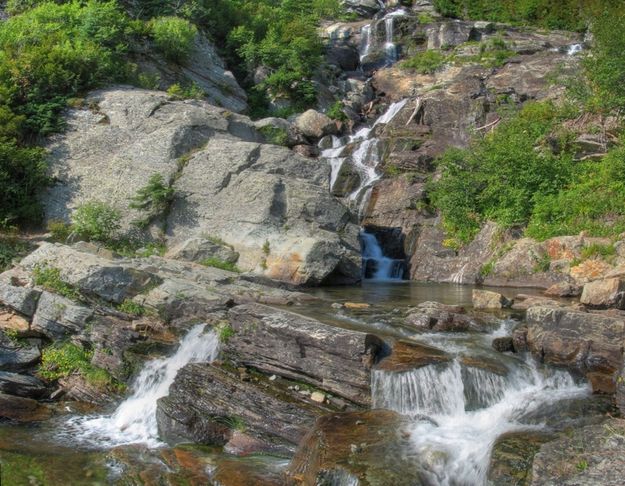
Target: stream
x: 458, y: 412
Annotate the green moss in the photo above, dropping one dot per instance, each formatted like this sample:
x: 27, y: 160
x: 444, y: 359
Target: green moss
x: 217, y: 263
x: 425, y: 62
x: 132, y: 308
x: 50, y: 279
x: 225, y: 332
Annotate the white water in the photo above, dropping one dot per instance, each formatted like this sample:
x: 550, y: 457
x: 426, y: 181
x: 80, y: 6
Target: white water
x: 574, y: 49
x: 134, y: 421
x: 369, y: 41
x: 365, y: 157
x: 460, y: 412
x: 385, y: 268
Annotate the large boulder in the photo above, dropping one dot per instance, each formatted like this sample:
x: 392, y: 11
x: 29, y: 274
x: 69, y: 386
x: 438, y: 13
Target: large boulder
x: 609, y: 292
x: 17, y: 356
x: 21, y: 385
x: 304, y: 349
x: 21, y: 299
x: 58, y: 317
x: 270, y: 204
x: 588, y: 343
x: 315, y: 125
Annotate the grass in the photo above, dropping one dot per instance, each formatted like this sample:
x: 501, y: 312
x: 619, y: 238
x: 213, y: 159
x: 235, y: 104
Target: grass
x: 598, y: 251
x: 50, y: 279
x: 132, y: 308
x: 221, y: 264
x: 61, y: 360
x: 425, y: 62
x: 225, y: 332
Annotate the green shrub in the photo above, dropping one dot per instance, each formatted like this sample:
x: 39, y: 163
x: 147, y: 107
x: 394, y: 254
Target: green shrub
x: 62, y: 360
x: 59, y: 230
x: 154, y: 198
x: 336, y: 112
x: 50, y: 279
x: 192, y: 92
x: 217, y: 263
x: 501, y: 176
x: 592, y: 202
x: 96, y: 221
x: 174, y: 37
x: 596, y: 250
x: 224, y: 332
x: 130, y: 307
x: 275, y: 135
x: 425, y: 62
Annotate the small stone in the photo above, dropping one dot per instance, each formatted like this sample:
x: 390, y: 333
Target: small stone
x: 360, y: 422
x: 355, y: 448
x: 296, y: 388
x: 356, y: 305
x: 304, y: 392
x: 273, y: 378
x: 503, y: 344
x: 337, y: 305
x: 318, y: 397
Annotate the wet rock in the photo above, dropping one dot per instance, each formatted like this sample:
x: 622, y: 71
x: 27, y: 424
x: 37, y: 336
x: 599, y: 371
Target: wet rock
x: 251, y: 471
x: 207, y: 404
x: 362, y: 445
x: 485, y: 299
x: 512, y: 457
x: 111, y: 338
x: 519, y: 339
x: 17, y: 356
x: 589, y: 343
x: 503, y: 344
x: 22, y: 409
x: 433, y: 316
x: 198, y: 249
x: 21, y: 385
x: 604, y: 293
x: 406, y: 355
x: 301, y: 348
x: 315, y: 125
x: 564, y: 289
x: 89, y: 273
x: 591, y: 455
x: 524, y: 302
x: 58, y: 317
x: 620, y: 390
x: 77, y: 387
x: 21, y: 299
x: 356, y: 305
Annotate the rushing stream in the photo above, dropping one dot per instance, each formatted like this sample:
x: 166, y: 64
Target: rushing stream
x: 134, y: 421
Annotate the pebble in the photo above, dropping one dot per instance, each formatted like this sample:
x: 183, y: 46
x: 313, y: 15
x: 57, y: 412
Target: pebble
x: 318, y: 397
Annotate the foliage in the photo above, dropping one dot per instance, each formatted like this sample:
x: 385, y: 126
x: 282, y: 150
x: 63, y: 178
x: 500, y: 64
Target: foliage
x: 154, y: 198
x: 50, y: 279
x: 174, y: 37
x: 96, y: 221
x: 22, y: 175
x: 592, y: 202
x: 130, y: 307
x: 336, y: 111
x: 224, y: 332
x: 10, y: 249
x: 192, y: 92
x: 501, y: 175
x: 62, y: 360
x: 217, y: 263
x: 563, y: 14
x: 596, y: 250
x: 59, y: 230
x: 425, y: 62
x: 275, y: 135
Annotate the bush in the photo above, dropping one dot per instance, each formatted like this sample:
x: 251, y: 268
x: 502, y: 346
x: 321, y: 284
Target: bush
x: 96, y: 221
x: 154, y: 198
x: 217, y: 263
x: 336, y: 112
x: 501, y: 176
x: 179, y: 92
x: 425, y: 62
x: 174, y: 37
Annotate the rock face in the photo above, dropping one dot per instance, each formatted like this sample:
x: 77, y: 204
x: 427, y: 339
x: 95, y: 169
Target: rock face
x: 208, y: 405
x: 589, y: 343
x: 591, y: 455
x: 58, y: 317
x: 304, y: 349
x: 270, y: 205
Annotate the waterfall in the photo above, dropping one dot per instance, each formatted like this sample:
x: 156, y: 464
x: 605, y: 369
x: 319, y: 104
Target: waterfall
x: 365, y: 157
x: 460, y: 412
x: 366, y: 42
x: 373, y: 258
x: 369, y: 41
x: 134, y: 421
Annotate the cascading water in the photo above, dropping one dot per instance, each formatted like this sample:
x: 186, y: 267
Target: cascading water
x: 374, y: 261
x: 364, y: 158
x: 134, y: 421
x: 459, y: 412
x: 369, y: 41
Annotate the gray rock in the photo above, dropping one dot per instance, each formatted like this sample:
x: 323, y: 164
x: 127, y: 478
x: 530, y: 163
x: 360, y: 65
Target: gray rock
x: 198, y: 249
x: 591, y: 455
x: 206, y: 404
x: 111, y: 338
x: 315, y: 125
x: 589, y: 343
x: 23, y: 300
x: 300, y: 348
x: 21, y: 385
x: 485, y: 299
x: 227, y: 184
x: 58, y: 317
x: 609, y: 292
x: 503, y: 344
x: 448, y: 34
x: 91, y: 274
x: 17, y: 357
x: 365, y: 8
